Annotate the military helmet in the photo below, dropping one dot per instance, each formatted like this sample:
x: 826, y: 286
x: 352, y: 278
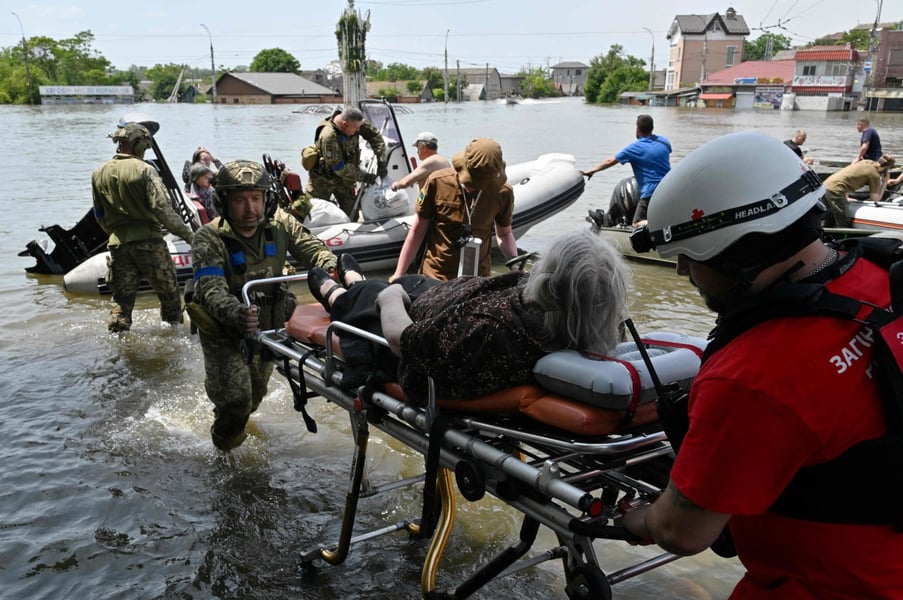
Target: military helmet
x: 135, y: 135
x: 243, y: 175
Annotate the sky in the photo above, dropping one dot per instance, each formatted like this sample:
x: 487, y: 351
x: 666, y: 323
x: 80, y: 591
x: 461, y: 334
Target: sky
x: 507, y: 34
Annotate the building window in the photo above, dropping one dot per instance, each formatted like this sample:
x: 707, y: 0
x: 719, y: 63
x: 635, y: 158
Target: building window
x: 839, y: 69
x: 808, y: 70
x: 578, y: 72
x: 731, y: 54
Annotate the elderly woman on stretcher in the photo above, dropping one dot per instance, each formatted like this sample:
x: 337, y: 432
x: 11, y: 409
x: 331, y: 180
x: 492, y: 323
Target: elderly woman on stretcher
x: 475, y: 335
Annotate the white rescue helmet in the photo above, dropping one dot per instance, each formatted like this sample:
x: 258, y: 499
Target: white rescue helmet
x: 732, y: 186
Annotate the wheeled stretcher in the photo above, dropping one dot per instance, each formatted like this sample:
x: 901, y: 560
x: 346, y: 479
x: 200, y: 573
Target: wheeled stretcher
x: 571, y: 454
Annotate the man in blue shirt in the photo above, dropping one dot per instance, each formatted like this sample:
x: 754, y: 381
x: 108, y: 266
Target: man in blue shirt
x: 869, y: 143
x: 650, y: 158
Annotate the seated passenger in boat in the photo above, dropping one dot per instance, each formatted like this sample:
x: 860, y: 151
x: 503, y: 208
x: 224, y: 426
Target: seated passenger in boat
x: 474, y: 335
x: 201, y: 190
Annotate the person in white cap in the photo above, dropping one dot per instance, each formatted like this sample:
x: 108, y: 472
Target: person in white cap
x: 430, y: 160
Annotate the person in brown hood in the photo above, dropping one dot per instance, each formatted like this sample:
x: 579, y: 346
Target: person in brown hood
x: 456, y: 211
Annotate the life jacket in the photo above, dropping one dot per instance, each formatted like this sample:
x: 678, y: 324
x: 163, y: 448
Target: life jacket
x: 861, y: 486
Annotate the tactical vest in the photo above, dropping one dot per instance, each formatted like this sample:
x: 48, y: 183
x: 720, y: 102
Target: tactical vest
x: 862, y: 485
x: 270, y: 298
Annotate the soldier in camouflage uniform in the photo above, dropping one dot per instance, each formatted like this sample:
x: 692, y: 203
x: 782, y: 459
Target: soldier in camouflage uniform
x: 244, y: 243
x: 130, y: 204
x: 338, y: 168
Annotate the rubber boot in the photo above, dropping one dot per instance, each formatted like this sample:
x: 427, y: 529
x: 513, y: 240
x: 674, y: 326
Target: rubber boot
x: 224, y: 443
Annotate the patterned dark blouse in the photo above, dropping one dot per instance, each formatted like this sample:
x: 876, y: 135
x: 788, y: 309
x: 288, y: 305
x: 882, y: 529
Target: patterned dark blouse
x: 473, y: 335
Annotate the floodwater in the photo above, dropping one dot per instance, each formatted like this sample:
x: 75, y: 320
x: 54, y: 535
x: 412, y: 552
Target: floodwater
x: 109, y: 485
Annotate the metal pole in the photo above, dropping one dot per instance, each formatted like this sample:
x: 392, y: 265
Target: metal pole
x: 212, y: 64
x: 651, y: 59
x: 25, y: 55
x: 446, y: 65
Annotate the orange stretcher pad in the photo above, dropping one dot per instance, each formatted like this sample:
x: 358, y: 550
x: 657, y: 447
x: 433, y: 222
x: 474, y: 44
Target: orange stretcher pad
x: 580, y: 394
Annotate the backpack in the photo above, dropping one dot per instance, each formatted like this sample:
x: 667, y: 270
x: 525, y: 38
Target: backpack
x: 310, y: 156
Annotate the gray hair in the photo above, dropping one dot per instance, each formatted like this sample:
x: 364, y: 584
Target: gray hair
x: 800, y: 134
x: 352, y: 114
x: 581, y: 283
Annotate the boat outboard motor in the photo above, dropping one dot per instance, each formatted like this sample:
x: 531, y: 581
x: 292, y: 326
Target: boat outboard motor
x: 623, y: 202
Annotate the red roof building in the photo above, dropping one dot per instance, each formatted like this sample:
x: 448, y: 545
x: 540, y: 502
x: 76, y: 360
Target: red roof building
x: 750, y: 84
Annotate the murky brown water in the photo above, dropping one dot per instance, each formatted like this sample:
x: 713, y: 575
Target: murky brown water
x: 110, y: 487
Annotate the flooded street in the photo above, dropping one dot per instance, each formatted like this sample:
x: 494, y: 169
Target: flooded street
x: 110, y: 485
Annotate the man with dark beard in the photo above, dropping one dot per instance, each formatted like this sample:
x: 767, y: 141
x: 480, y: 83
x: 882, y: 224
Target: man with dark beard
x: 785, y: 401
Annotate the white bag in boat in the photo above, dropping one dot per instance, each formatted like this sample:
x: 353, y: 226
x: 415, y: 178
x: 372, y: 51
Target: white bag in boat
x: 380, y: 202
x: 324, y: 213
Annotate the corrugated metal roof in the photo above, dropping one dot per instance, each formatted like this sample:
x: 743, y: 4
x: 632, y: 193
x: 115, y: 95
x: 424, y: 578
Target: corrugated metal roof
x: 283, y: 84
x: 760, y: 69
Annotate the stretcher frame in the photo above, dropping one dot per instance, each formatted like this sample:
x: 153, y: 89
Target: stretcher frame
x: 578, y: 488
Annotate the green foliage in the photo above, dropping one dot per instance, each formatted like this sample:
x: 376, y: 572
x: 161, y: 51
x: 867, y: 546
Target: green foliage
x: 439, y: 91
x: 755, y: 50
x: 390, y: 93
x: 397, y: 72
x: 164, y: 79
x: 373, y: 67
x: 626, y: 73
x: 351, y: 35
x: 434, y: 77
x: 414, y: 87
x: 275, y: 60
x: 537, y: 84
x: 70, y: 61
x: 622, y: 79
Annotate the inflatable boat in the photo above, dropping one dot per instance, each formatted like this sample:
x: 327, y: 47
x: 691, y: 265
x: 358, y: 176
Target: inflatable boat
x: 572, y: 451
x: 542, y: 187
x: 869, y: 218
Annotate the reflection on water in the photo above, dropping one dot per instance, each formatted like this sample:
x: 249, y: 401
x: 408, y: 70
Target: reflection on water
x: 109, y: 483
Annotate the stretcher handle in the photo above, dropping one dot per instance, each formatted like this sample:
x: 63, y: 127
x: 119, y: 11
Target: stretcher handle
x: 266, y: 281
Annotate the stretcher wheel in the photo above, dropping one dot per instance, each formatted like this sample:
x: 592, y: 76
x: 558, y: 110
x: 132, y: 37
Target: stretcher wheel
x: 587, y: 582
x: 470, y: 482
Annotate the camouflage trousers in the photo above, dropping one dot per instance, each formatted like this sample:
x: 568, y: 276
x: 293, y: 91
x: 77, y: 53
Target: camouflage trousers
x: 235, y: 388
x: 318, y: 187
x: 127, y: 265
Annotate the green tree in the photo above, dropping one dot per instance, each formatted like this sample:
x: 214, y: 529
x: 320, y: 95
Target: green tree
x: 275, y: 60
x: 164, y: 79
x: 858, y: 37
x: 603, y: 66
x: 70, y: 61
x: 537, y: 83
x: 414, y: 87
x: 755, y: 50
x: 622, y: 79
x: 373, y: 68
x: 434, y: 77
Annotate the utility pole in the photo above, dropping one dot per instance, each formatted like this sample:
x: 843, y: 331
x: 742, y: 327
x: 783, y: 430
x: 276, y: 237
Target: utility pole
x: 871, y: 53
x: 458, y: 82
x: 212, y: 64
x: 651, y: 59
x: 25, y: 55
x: 446, y: 65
